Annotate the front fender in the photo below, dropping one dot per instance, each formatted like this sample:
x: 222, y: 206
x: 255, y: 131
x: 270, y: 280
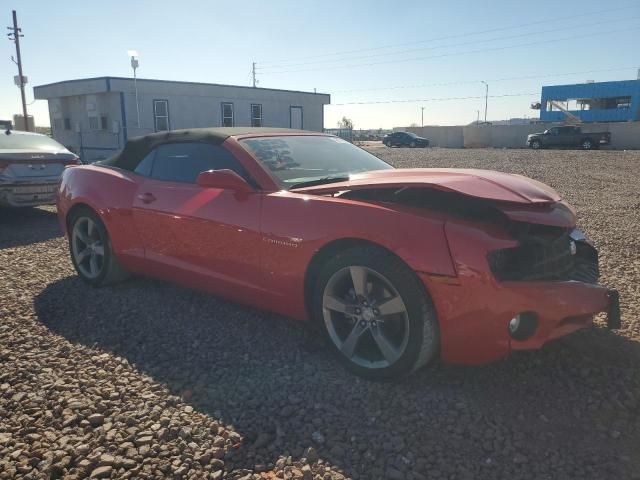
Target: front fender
x: 297, y: 226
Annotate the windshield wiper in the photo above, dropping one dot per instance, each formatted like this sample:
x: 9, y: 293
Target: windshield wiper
x: 319, y: 181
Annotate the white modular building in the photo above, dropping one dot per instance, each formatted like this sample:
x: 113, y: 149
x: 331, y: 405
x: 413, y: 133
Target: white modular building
x: 94, y: 117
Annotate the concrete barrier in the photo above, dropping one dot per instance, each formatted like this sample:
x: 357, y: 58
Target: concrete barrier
x: 445, y: 137
x: 624, y: 135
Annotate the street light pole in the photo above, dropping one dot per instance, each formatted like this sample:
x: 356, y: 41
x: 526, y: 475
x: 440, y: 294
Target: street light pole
x: 422, y: 115
x: 134, y: 65
x: 253, y: 74
x: 486, y: 99
x: 478, y: 117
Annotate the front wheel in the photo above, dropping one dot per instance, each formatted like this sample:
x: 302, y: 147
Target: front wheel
x: 91, y: 251
x: 375, y: 313
x: 536, y: 145
x: 412, y: 144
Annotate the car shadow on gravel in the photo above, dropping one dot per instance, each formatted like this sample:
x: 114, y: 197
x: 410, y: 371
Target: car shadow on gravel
x: 24, y: 226
x: 250, y: 370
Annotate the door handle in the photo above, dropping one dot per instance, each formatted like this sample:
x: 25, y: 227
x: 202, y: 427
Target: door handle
x: 147, y: 197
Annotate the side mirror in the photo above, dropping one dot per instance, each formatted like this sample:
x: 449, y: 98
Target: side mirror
x: 224, y: 179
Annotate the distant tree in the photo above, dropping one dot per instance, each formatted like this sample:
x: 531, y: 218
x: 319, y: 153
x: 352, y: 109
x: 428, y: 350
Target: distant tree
x: 44, y: 130
x: 346, y: 123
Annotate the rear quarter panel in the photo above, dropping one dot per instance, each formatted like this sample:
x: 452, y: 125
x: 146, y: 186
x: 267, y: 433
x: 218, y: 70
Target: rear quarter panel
x: 109, y: 192
x: 296, y: 226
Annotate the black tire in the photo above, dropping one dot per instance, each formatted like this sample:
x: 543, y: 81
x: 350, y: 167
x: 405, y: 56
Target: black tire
x: 587, y: 144
x: 536, y: 145
x: 412, y: 144
x: 110, y: 270
x: 423, y: 334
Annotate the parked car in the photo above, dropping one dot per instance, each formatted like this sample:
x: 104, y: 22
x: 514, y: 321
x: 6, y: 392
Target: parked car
x: 30, y: 168
x: 396, y: 267
x: 568, y: 137
x: 404, y: 139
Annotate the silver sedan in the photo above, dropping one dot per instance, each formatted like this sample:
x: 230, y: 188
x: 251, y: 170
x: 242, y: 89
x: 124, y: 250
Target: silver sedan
x: 30, y: 168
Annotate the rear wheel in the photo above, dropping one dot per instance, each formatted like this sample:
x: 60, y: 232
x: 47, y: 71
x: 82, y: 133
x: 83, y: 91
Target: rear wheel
x: 412, y: 144
x: 91, y: 251
x: 375, y: 313
x: 587, y: 144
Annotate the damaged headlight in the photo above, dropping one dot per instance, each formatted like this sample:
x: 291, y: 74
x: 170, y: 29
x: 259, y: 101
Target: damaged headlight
x: 565, y: 256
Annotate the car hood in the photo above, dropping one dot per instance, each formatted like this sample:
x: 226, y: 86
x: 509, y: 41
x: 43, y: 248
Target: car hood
x: 484, y: 184
x: 519, y: 198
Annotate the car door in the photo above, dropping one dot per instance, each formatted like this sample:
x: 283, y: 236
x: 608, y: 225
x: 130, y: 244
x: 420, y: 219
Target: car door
x: 553, y: 139
x: 194, y: 234
x: 565, y: 137
x: 573, y: 136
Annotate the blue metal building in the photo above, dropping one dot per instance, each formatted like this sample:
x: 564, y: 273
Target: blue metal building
x: 617, y: 101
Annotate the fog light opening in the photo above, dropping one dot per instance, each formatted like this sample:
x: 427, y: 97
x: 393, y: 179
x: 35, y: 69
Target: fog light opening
x: 523, y: 325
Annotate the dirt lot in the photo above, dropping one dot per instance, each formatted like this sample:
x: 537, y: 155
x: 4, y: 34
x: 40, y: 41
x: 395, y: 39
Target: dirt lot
x: 150, y: 380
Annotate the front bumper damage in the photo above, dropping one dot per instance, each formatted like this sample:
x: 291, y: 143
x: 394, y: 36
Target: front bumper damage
x: 476, y: 311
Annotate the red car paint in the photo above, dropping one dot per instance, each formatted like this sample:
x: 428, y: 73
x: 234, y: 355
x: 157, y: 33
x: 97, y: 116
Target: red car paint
x: 255, y: 248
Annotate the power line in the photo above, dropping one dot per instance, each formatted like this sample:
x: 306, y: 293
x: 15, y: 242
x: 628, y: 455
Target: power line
x: 468, y: 82
x: 472, y: 42
x: 478, y: 32
x: 436, y: 99
x: 417, y: 59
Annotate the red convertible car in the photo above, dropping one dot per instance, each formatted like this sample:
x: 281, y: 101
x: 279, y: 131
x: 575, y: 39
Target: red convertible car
x: 396, y: 266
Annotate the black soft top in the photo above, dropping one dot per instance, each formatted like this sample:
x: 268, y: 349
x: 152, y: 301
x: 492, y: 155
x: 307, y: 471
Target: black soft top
x: 137, y: 148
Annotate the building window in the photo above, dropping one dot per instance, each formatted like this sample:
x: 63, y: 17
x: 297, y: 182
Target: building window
x: 256, y: 115
x: 227, y: 114
x: 93, y: 123
x: 67, y: 124
x: 104, y: 122
x: 161, y: 115
x: 596, y: 103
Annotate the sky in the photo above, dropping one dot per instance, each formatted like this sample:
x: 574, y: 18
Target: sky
x: 381, y: 61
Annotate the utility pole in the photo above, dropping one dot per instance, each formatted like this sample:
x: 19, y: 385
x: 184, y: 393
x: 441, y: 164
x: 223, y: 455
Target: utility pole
x: 253, y: 73
x: 486, y: 99
x: 478, y: 117
x: 15, y: 32
x: 422, y: 115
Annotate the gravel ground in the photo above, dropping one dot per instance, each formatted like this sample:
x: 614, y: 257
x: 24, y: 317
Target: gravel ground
x: 150, y: 380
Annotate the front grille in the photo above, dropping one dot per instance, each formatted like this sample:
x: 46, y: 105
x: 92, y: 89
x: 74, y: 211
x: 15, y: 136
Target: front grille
x: 550, y: 255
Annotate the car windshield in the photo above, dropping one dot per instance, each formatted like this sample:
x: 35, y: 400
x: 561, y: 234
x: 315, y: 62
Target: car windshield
x: 297, y: 161
x: 21, y: 141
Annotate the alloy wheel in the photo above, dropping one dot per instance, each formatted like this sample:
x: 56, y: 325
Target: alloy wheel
x: 87, y: 247
x: 365, y: 317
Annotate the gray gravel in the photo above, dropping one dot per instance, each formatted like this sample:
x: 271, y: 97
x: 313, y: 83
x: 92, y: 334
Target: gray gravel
x: 150, y: 380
